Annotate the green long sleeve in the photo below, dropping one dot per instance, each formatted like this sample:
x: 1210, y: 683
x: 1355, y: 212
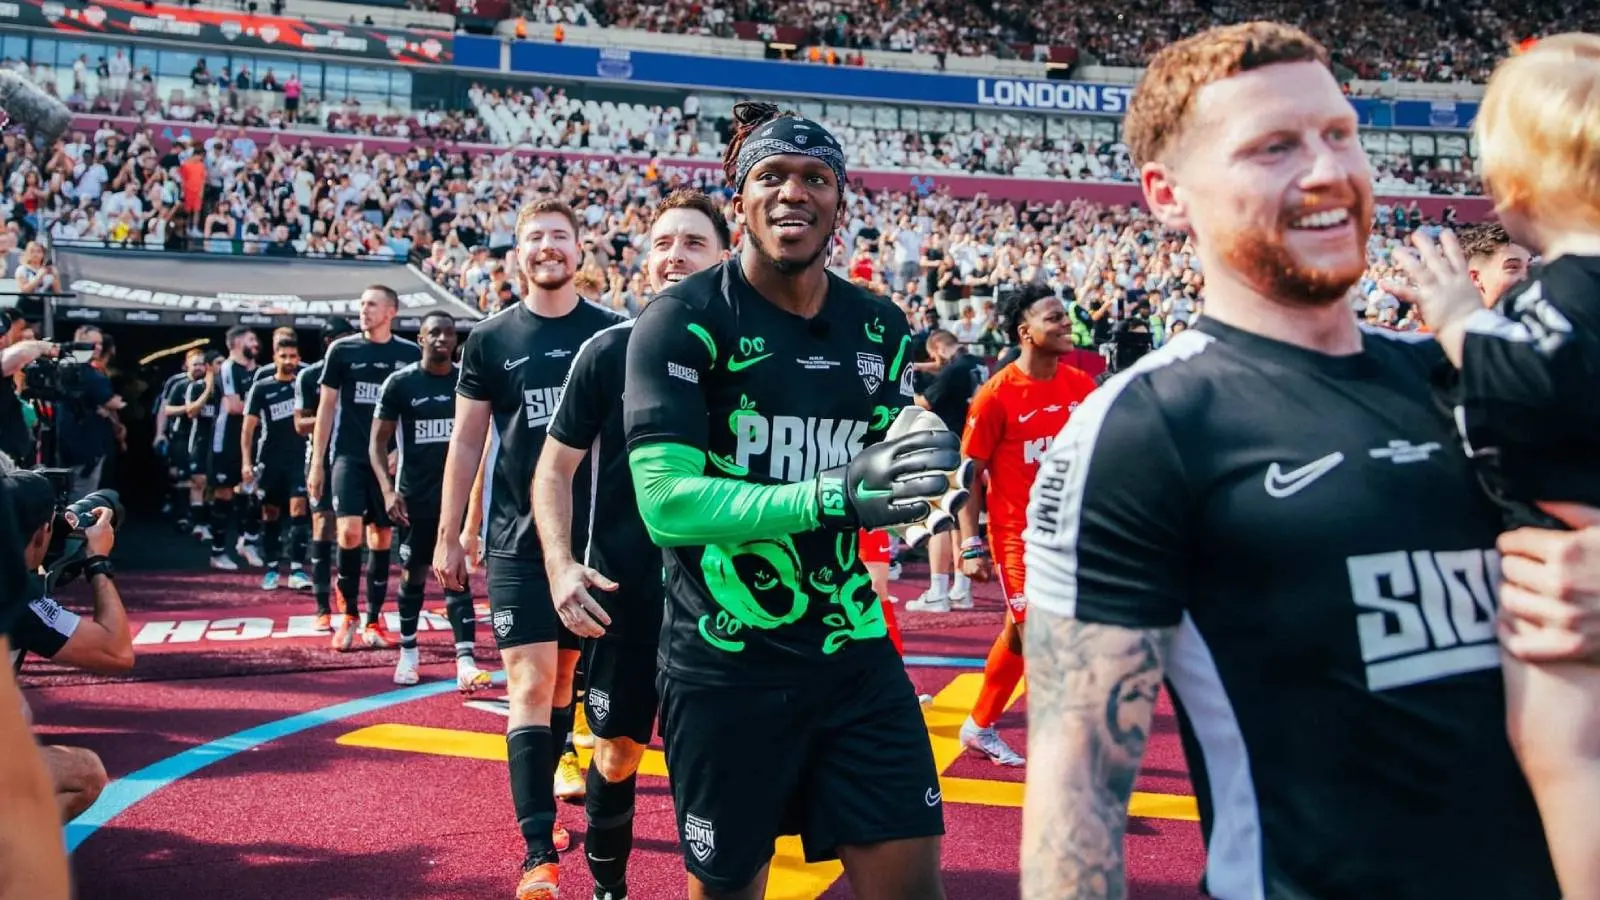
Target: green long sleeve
x: 682, y: 506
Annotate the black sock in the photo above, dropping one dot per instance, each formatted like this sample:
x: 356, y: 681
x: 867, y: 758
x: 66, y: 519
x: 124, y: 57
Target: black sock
x: 561, y: 728
x: 608, y: 809
x: 410, y: 611
x: 197, y: 513
x: 530, y: 755
x: 349, y: 580
x: 221, y: 512
x: 299, y: 536
x: 377, y: 583
x: 272, y: 543
x: 321, y: 573
x: 463, y: 621
x: 180, y: 503
x: 248, y: 514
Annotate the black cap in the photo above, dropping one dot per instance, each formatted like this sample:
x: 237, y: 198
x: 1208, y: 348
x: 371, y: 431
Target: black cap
x: 33, y: 500
x: 337, y: 327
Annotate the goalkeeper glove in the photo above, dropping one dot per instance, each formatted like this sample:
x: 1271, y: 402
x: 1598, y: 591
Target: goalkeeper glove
x: 890, y: 483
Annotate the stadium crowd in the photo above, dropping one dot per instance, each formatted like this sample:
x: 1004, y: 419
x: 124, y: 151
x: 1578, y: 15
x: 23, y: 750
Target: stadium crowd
x: 939, y: 257
x: 1421, y: 40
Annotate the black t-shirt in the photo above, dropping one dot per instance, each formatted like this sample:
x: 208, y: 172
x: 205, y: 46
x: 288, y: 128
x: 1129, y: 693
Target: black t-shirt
x: 307, y: 395
x: 270, y: 370
x: 423, y: 406
x: 43, y: 627
x: 202, y: 425
x: 517, y: 361
x: 15, y: 437
x: 277, y: 444
x: 356, y: 367
x: 930, y: 277
x: 1311, y: 528
x: 952, y: 389
x: 176, y: 393
x: 617, y: 544
x: 233, y: 381
x: 771, y: 399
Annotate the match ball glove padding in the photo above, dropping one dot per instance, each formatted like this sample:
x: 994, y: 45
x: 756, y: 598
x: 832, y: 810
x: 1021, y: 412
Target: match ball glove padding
x: 894, y: 482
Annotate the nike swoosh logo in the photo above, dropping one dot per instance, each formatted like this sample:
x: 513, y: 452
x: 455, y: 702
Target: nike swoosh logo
x: 735, y: 365
x: 1026, y: 417
x: 1281, y: 484
x: 513, y: 363
x: 933, y: 797
x: 867, y: 493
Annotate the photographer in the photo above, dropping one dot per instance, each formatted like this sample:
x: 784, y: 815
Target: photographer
x: 16, y: 438
x: 87, y: 424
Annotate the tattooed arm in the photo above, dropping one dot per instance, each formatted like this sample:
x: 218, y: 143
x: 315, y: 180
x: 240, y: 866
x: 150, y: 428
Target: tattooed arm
x: 1092, y: 693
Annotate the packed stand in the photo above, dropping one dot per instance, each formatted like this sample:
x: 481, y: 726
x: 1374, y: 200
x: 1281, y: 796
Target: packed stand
x: 1421, y: 40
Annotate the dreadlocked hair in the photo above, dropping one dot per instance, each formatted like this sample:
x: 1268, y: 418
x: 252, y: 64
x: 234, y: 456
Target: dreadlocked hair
x: 748, y: 115
x: 1015, y: 305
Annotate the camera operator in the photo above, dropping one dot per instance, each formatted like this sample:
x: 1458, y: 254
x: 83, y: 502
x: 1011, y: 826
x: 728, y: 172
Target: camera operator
x: 87, y: 424
x: 16, y: 438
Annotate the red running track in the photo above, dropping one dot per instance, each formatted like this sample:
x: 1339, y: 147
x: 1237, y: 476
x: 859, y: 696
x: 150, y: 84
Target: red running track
x: 308, y: 817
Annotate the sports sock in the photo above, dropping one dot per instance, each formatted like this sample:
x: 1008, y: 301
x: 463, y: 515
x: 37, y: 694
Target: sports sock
x: 321, y: 573
x: 377, y: 583
x: 272, y: 542
x: 608, y: 809
x: 463, y: 621
x: 180, y: 503
x: 939, y: 585
x: 1001, y: 672
x: 961, y: 583
x: 349, y: 579
x: 893, y: 624
x: 221, y: 512
x: 299, y: 536
x: 530, y: 756
x: 410, y: 611
x: 197, y: 513
x: 561, y: 730
x: 249, y: 514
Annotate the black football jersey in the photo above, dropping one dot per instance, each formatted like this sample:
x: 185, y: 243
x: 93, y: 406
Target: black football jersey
x: 307, y: 396
x: 356, y: 367
x: 517, y: 361
x: 201, y: 426
x: 277, y: 443
x: 234, y: 381
x: 589, y: 416
x: 423, y: 406
x: 1311, y: 528
x: 770, y: 398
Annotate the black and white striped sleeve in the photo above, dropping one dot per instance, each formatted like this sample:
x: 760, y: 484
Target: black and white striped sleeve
x: 1107, y: 536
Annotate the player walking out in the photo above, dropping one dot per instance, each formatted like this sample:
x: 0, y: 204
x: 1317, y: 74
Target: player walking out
x: 201, y: 401
x: 512, y: 371
x: 352, y: 372
x: 782, y: 379
x: 274, y: 460
x: 416, y: 411
x: 188, y: 494
x: 948, y: 396
x: 622, y: 620
x: 227, y: 456
x: 1269, y: 513
x: 307, y: 393
x: 1011, y: 422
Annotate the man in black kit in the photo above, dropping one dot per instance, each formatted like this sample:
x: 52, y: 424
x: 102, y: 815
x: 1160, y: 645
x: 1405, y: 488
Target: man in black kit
x: 759, y: 395
x: 1269, y: 513
x: 200, y: 406
x: 687, y: 234
x: 274, y: 462
x: 307, y: 391
x: 187, y: 496
x: 227, y: 458
x: 352, y: 372
x: 416, y: 411
x: 512, y: 370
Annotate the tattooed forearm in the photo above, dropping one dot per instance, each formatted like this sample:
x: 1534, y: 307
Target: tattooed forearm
x: 1092, y: 693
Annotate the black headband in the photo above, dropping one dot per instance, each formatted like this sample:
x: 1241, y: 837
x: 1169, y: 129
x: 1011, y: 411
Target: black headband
x: 789, y: 134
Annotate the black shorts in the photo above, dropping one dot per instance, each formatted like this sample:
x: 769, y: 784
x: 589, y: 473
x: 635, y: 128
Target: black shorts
x: 178, y: 460
x: 281, y: 482
x: 227, y: 462
x: 355, y: 491
x: 199, y: 459
x: 323, y: 504
x: 620, y: 700
x: 520, y: 609
x: 845, y: 761
x: 420, y: 539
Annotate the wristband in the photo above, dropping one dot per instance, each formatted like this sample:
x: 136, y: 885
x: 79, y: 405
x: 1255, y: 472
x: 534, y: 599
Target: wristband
x: 972, y: 542
x: 99, y: 565
x: 974, y: 553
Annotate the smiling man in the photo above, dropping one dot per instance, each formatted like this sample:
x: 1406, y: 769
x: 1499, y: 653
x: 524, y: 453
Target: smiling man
x: 759, y: 393
x: 622, y: 617
x: 1269, y: 513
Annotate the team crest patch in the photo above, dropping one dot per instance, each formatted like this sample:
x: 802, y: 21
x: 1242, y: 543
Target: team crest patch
x: 502, y: 622
x: 870, y: 367
x: 700, y: 835
x: 908, y: 387
x: 599, y: 704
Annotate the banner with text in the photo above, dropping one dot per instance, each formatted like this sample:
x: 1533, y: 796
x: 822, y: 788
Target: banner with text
x: 123, y: 19
x: 801, y: 79
x: 147, y: 288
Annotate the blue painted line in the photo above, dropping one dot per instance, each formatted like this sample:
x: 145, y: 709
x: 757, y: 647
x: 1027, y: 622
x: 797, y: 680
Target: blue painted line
x: 123, y: 793
x: 120, y: 795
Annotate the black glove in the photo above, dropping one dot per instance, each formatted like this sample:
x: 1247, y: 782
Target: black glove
x: 890, y: 483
